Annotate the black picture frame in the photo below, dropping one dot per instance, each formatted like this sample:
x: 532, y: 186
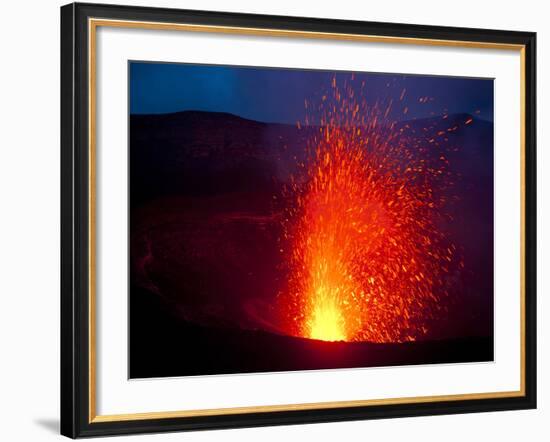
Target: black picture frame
x: 76, y: 403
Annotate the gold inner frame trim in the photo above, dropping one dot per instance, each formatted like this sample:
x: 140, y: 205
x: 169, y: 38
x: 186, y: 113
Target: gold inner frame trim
x: 93, y: 24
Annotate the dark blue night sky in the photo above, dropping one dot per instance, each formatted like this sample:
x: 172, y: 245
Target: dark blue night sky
x: 277, y: 95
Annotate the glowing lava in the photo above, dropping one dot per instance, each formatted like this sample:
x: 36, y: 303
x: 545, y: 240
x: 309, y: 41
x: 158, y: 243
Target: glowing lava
x: 365, y: 261
x: 327, y: 322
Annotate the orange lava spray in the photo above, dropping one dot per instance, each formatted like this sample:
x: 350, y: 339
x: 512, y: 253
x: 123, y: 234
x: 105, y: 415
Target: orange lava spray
x: 365, y: 258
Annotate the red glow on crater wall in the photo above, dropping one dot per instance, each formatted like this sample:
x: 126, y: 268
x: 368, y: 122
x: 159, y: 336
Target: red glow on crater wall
x: 365, y: 258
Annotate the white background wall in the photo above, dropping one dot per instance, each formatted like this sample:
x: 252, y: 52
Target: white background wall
x: 29, y: 220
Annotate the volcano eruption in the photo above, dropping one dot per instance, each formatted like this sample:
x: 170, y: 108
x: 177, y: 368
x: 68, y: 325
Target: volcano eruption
x: 360, y: 236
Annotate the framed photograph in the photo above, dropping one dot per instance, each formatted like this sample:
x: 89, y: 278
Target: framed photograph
x: 279, y: 220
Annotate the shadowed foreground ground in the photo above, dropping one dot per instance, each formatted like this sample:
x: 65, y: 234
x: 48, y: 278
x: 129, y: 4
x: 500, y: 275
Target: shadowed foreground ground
x: 165, y: 346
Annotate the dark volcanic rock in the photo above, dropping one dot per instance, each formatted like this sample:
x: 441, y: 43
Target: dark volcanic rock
x: 204, y: 153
